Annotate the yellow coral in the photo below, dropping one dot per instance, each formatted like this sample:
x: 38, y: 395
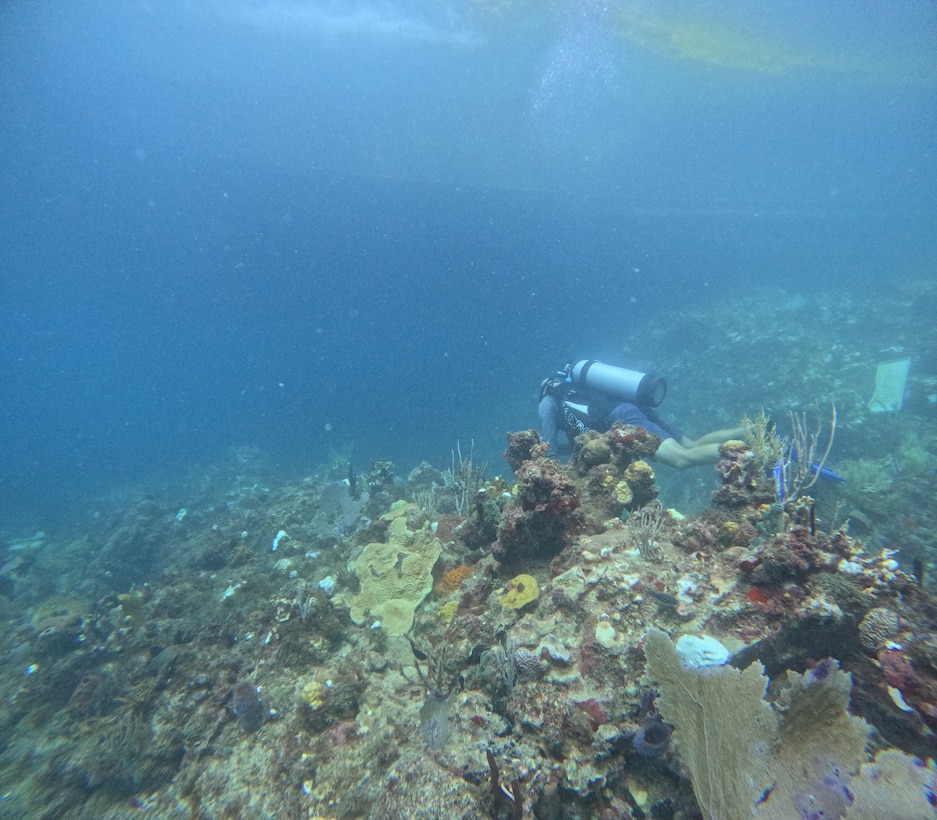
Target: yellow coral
x: 399, y: 509
x: 497, y: 486
x: 623, y: 492
x: 396, y: 615
x: 520, y: 591
x: 313, y: 693
x: 447, y: 611
x: 395, y: 577
x: 640, y: 478
x: 639, y: 474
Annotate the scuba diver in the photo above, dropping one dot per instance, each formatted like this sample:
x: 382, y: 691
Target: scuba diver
x: 590, y: 395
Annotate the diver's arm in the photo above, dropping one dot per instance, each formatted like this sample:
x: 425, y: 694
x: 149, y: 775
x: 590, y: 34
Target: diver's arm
x: 548, y: 412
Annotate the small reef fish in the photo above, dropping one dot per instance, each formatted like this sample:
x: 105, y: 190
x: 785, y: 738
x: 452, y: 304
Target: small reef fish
x: 664, y: 598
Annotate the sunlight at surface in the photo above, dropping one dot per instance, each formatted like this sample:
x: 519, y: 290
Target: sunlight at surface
x: 884, y: 49
x: 733, y: 45
x: 730, y: 49
x: 442, y: 27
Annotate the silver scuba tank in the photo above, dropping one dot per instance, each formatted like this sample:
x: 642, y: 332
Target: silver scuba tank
x: 644, y: 389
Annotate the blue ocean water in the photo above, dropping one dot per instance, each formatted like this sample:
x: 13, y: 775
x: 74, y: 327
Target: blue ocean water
x: 314, y: 226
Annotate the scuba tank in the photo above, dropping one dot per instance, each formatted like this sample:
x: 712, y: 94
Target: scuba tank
x: 644, y: 389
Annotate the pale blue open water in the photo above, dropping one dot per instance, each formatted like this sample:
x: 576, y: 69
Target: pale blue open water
x: 311, y: 226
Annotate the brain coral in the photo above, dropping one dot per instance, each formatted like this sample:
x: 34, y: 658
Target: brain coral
x: 395, y: 577
x: 878, y: 627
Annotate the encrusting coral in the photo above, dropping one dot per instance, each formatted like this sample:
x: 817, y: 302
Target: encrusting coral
x: 452, y: 580
x: 520, y: 591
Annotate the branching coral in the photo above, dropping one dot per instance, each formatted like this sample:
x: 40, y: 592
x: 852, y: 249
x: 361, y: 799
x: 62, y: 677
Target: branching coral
x: 763, y: 439
x: 804, y: 455
x: 645, y: 527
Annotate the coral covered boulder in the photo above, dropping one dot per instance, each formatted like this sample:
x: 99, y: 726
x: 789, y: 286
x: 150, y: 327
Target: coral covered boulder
x: 541, y: 520
x: 524, y: 446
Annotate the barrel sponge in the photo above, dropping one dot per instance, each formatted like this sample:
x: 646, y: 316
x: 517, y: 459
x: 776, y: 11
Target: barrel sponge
x: 395, y: 577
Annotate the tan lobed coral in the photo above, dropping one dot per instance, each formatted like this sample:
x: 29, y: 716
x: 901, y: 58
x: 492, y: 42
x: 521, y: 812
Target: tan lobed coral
x: 56, y: 615
x: 395, y: 577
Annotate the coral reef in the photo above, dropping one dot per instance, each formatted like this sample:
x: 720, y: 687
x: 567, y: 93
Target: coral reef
x: 179, y: 665
x: 545, y: 513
